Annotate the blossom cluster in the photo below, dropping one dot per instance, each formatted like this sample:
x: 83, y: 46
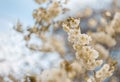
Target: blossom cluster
x: 47, y: 14
x: 53, y: 75
x: 85, y: 53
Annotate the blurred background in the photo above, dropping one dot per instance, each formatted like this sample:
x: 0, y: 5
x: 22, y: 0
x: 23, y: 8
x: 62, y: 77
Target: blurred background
x: 15, y: 58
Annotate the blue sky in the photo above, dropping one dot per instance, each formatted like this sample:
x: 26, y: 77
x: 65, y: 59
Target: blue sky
x: 11, y: 10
